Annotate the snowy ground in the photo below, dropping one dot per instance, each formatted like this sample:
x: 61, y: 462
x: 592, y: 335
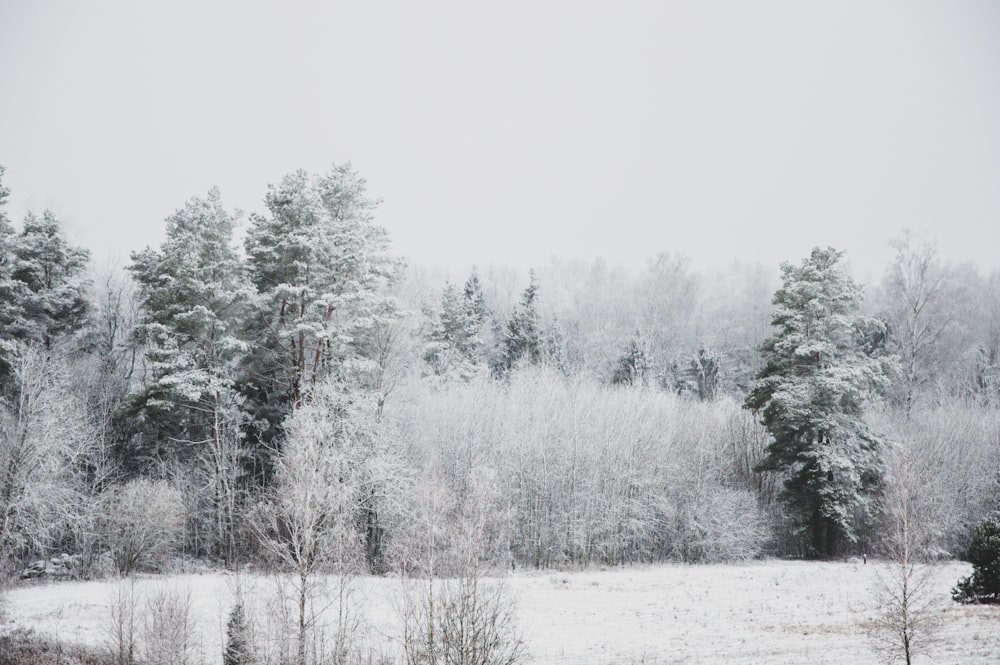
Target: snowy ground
x: 767, y: 612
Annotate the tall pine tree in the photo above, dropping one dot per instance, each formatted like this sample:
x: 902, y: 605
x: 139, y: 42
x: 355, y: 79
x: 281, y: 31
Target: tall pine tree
x: 810, y: 395
x: 196, y: 301
x: 52, y: 272
x: 319, y: 264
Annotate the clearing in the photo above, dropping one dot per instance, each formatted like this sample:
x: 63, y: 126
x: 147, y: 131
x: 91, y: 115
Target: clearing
x: 767, y: 612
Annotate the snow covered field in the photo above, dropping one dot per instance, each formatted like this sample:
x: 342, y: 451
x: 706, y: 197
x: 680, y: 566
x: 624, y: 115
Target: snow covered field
x: 764, y: 612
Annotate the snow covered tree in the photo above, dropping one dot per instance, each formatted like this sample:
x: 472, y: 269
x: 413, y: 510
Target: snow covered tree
x: 319, y: 264
x: 239, y: 650
x: 196, y: 301
x: 454, y: 346
x: 701, y: 375
x: 42, y: 285
x: 45, y: 444
x: 11, y: 291
x: 52, y: 271
x: 633, y: 366
x: 326, y: 509
x: 810, y: 395
x: 919, y: 304
x: 528, y: 339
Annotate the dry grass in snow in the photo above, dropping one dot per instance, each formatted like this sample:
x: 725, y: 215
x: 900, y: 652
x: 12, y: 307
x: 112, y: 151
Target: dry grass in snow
x: 764, y: 612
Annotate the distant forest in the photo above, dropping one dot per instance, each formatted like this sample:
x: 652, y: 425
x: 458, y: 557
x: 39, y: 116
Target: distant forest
x: 304, y: 397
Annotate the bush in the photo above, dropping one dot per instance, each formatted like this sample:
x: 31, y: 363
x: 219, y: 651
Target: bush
x: 145, y: 523
x: 24, y: 646
x: 983, y: 586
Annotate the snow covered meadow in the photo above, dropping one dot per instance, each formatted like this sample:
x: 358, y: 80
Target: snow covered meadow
x: 761, y: 612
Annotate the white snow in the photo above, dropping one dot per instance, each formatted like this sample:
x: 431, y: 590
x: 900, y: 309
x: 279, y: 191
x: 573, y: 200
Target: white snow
x: 771, y: 612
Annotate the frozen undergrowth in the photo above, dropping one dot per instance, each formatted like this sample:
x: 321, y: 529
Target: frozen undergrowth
x: 764, y: 612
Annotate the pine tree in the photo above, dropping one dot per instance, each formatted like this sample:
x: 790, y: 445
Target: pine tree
x: 475, y: 301
x: 52, y: 274
x: 195, y: 298
x: 196, y: 302
x: 810, y: 395
x: 701, y: 376
x: 454, y: 344
x: 319, y: 264
x: 522, y: 341
x: 11, y: 291
x: 238, y: 648
x: 633, y: 365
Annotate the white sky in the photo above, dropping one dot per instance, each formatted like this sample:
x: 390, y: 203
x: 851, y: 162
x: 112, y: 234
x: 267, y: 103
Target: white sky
x: 511, y: 132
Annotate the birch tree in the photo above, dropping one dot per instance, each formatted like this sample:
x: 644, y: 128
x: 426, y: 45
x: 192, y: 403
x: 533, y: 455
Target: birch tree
x: 310, y: 522
x: 917, y: 288
x: 45, y: 445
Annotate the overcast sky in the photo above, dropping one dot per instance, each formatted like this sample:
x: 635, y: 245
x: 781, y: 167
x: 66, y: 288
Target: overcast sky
x: 511, y: 132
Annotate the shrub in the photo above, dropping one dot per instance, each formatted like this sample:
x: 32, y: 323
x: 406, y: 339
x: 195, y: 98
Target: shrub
x: 145, y: 523
x: 983, y: 586
x: 24, y: 646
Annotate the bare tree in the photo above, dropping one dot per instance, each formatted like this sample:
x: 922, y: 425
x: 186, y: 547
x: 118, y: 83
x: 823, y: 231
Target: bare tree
x: 463, y: 617
x: 144, y: 524
x: 121, y: 634
x: 917, y: 288
x: 46, y: 443
x: 168, y: 627
x: 309, y: 523
x: 905, y: 601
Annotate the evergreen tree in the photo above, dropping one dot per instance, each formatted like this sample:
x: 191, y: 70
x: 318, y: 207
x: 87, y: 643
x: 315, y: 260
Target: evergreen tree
x: 238, y: 648
x: 319, y: 264
x: 196, y: 301
x: 524, y: 339
x: 633, y: 365
x: 810, y: 394
x: 11, y: 291
x: 52, y: 274
x: 983, y: 585
x: 701, y: 376
x: 454, y: 345
x: 475, y: 301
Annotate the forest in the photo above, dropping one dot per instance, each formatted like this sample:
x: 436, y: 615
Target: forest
x: 281, y: 391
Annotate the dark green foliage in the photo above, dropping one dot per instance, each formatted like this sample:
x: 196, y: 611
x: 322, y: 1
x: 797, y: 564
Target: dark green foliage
x: 701, y: 376
x: 633, y: 365
x: 196, y: 301
x: 809, y: 396
x: 983, y: 586
x: 52, y: 272
x: 319, y: 264
x: 238, y: 648
x: 42, y: 289
x: 528, y: 340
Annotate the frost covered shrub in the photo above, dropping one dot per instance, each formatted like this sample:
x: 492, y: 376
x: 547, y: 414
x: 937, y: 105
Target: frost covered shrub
x: 983, y: 586
x: 953, y: 444
x: 145, y: 524
x: 589, y: 473
x: 714, y: 524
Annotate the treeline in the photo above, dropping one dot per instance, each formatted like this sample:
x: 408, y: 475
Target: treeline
x: 197, y: 401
